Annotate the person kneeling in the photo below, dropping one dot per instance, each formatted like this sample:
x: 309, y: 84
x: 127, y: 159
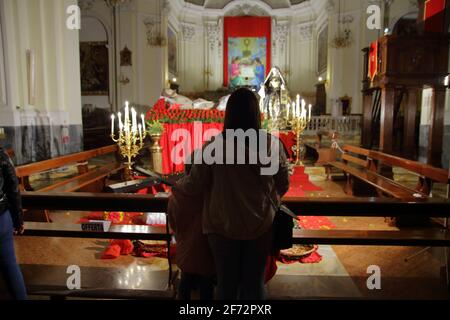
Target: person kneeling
x: 193, y: 254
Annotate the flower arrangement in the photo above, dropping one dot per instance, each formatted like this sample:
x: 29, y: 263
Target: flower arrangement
x: 155, y: 127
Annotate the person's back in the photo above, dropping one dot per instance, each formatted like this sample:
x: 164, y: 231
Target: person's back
x: 236, y: 202
x: 240, y: 196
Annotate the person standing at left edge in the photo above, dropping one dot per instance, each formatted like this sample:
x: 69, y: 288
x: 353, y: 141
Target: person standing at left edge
x: 11, y: 223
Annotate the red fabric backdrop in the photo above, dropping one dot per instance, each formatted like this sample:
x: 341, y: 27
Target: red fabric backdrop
x: 246, y: 27
x: 434, y: 15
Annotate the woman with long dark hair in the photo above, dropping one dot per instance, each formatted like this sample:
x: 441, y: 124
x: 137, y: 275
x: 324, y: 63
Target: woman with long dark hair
x: 238, y: 197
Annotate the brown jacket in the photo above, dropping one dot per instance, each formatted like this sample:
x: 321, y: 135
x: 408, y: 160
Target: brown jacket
x: 193, y: 254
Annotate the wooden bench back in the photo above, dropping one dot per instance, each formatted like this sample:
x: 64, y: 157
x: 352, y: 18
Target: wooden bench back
x: 368, y: 157
x: 33, y: 168
x: 355, y: 155
x: 424, y: 170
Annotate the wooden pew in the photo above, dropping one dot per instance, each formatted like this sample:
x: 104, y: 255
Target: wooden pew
x: 86, y: 180
x: 363, y: 165
x: 323, y: 147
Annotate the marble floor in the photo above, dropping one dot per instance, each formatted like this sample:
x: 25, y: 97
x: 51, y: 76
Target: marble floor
x: 341, y: 274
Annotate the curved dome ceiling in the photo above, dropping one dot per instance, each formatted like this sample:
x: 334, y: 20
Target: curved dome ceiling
x: 220, y: 4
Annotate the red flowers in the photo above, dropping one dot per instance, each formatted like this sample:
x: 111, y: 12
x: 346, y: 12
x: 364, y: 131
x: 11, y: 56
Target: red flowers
x: 162, y: 113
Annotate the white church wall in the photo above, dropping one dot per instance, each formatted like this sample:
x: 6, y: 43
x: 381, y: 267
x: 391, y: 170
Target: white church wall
x: 37, y: 121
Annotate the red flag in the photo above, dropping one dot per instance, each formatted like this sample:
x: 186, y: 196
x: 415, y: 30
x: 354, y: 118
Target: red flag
x: 434, y: 14
x: 373, y: 60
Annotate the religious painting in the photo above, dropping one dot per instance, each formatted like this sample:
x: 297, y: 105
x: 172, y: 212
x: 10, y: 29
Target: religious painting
x: 172, y: 51
x: 247, y: 61
x: 322, y: 49
x: 94, y: 67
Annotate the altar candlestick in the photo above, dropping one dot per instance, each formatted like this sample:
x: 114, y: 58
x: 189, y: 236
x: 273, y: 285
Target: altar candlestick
x: 112, y: 123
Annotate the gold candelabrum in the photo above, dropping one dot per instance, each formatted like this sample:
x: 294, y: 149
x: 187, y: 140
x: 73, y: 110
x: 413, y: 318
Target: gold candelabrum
x: 131, y: 134
x: 298, y: 118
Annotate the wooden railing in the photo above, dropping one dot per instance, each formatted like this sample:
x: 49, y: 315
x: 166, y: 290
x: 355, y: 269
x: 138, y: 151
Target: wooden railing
x: 357, y: 207
x: 331, y: 207
x: 349, y: 125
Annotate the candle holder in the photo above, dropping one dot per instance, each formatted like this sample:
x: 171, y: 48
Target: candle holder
x: 131, y: 135
x: 299, y: 120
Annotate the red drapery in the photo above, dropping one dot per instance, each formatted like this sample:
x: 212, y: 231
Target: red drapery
x: 246, y: 27
x: 176, y: 146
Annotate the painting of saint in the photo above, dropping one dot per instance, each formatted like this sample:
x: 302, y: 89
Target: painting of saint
x: 247, y: 61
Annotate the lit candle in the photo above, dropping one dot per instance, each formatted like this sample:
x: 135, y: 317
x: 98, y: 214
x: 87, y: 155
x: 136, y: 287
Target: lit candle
x: 304, y: 107
x: 143, y: 122
x: 288, y: 106
x: 310, y: 108
x: 112, y: 124
x: 127, y: 117
x: 140, y: 131
x: 119, y: 115
x: 133, y: 114
x: 298, y: 105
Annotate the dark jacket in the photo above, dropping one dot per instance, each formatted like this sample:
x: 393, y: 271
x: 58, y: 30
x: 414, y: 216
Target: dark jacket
x: 236, y: 203
x: 9, y: 190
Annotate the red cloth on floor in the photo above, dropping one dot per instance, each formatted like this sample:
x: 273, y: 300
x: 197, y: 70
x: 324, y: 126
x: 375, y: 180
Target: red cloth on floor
x: 112, y: 252
x: 315, y: 223
x: 117, y: 248
x: 126, y: 246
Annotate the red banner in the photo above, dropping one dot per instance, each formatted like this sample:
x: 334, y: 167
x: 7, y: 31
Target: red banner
x: 373, y: 60
x: 434, y: 15
x: 246, y: 27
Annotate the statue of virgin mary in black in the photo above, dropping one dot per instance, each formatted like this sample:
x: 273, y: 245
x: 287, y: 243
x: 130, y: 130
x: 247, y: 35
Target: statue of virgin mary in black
x: 275, y: 97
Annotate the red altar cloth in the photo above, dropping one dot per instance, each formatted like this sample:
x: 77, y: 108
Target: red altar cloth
x: 178, y: 135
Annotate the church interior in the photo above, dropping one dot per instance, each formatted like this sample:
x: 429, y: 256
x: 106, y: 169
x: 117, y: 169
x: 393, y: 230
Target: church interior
x: 93, y: 94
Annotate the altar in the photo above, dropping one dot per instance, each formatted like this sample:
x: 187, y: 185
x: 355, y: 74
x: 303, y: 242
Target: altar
x: 191, y: 129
